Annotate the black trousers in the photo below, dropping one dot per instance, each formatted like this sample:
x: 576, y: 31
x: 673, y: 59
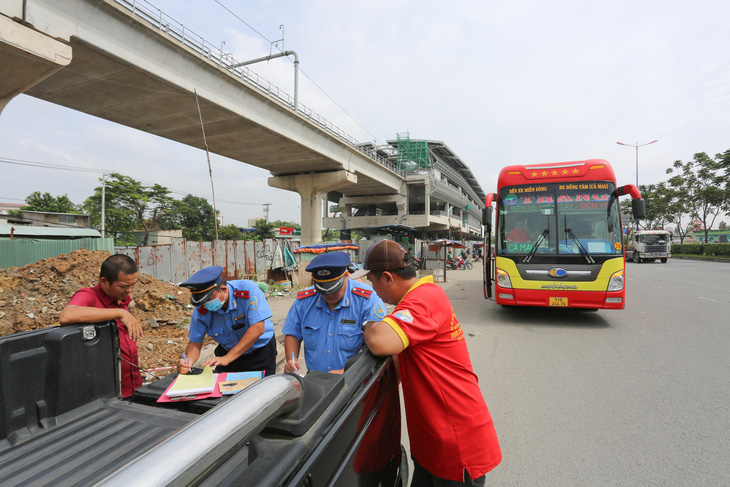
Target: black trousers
x: 263, y: 358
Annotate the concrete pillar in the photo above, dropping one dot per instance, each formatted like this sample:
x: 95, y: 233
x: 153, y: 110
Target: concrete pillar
x: 27, y: 57
x: 311, y: 187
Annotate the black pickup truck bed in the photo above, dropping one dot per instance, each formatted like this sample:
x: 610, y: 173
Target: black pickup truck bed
x: 62, y: 422
x: 88, y: 443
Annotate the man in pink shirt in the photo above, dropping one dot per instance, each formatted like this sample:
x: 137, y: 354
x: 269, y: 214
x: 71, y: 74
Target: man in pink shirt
x: 109, y: 300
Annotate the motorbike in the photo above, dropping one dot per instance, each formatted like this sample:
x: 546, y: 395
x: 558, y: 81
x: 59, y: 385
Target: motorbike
x: 464, y: 264
x: 417, y: 263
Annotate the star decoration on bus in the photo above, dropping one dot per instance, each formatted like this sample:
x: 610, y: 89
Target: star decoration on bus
x: 555, y: 173
x: 575, y: 171
x: 565, y: 171
x: 544, y: 173
x: 534, y: 174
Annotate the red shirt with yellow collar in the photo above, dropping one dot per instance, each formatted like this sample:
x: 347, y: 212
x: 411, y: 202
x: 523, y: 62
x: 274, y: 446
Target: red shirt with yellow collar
x: 449, y: 425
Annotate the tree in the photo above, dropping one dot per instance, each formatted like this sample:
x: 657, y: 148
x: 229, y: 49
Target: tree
x: 286, y: 224
x: 723, y: 160
x: 658, y: 199
x: 46, y: 202
x: 263, y: 230
x: 700, y: 186
x: 230, y: 232
x: 130, y: 206
x: 196, y: 217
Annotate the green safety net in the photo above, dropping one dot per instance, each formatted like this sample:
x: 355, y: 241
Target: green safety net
x: 412, y: 154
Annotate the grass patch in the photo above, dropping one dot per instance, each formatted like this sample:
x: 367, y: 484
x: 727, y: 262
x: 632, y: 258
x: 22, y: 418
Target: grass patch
x: 703, y: 257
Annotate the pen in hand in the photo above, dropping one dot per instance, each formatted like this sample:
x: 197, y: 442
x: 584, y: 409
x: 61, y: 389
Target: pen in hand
x: 185, y: 359
x: 293, y: 363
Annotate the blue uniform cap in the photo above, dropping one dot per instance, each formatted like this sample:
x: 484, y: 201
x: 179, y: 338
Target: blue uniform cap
x: 329, y: 271
x: 203, y: 283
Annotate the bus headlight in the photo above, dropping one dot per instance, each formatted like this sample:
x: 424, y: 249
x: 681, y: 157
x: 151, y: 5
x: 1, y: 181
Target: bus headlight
x: 503, y: 279
x: 616, y: 283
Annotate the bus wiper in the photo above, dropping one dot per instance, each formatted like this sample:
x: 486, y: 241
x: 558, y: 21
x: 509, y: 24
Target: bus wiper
x: 540, y: 239
x: 582, y: 249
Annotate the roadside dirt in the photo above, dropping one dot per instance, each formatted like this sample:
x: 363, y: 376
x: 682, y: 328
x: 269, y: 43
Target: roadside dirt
x: 33, y: 296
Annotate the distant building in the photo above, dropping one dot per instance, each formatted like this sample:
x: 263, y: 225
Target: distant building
x: 443, y: 200
x: 158, y: 237
x: 6, y: 208
x: 714, y: 236
x: 18, y: 232
x: 42, y: 218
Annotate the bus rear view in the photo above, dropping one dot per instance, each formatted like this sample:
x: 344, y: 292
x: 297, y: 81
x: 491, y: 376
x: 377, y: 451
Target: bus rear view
x: 558, y: 236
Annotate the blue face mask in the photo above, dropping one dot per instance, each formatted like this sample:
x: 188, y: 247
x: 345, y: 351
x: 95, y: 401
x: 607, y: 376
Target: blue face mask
x: 213, y: 305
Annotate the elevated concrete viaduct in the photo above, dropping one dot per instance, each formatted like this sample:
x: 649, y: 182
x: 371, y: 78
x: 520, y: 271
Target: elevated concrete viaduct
x: 103, y: 58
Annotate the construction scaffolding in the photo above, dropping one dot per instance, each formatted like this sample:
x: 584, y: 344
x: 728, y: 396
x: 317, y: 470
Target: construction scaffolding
x: 412, y: 155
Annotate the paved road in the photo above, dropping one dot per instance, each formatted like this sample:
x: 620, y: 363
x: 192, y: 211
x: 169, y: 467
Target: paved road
x: 639, y: 397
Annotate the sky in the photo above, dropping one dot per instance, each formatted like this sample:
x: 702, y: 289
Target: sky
x: 501, y: 83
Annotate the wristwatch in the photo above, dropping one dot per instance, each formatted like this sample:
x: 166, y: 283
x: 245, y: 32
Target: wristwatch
x: 366, y: 324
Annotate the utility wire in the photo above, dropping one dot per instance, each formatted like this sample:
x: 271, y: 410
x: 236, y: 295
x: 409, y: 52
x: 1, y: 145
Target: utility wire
x: 243, y: 21
x: 20, y: 162
x: 305, y: 74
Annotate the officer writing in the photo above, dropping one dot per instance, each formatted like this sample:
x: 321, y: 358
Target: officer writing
x: 327, y: 316
x: 236, y: 315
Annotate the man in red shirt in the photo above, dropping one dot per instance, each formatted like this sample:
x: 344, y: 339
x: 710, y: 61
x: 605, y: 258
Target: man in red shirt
x: 452, y: 437
x: 519, y: 233
x: 109, y: 300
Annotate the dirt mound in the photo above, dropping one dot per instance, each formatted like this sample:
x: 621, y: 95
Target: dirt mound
x: 33, y: 296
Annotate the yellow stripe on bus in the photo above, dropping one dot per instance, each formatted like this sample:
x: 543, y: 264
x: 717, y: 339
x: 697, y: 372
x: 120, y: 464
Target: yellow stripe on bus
x: 600, y: 284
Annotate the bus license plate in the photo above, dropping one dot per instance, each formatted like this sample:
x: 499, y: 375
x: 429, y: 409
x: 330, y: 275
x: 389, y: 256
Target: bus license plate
x: 559, y: 302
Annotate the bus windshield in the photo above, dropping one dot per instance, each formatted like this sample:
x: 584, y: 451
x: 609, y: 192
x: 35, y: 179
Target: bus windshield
x: 573, y: 218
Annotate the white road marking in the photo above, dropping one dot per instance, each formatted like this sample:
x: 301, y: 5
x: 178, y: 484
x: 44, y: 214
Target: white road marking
x: 706, y: 299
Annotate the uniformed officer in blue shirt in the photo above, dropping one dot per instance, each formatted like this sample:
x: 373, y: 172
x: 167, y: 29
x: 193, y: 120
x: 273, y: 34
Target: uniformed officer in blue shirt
x: 236, y: 315
x: 328, y: 315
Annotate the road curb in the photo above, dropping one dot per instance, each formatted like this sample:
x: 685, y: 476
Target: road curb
x: 700, y: 259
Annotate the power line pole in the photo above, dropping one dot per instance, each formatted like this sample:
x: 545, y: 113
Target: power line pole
x: 266, y: 212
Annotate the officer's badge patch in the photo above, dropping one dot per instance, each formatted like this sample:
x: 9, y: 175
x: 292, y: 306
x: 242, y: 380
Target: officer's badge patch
x: 254, y: 303
x: 379, y: 311
x: 323, y: 273
x: 404, y: 315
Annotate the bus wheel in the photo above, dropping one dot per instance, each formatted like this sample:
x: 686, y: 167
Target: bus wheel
x: 637, y: 259
x: 664, y: 260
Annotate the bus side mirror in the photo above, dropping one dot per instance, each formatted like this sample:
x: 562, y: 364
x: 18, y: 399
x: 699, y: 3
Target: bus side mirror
x: 638, y: 208
x: 487, y: 216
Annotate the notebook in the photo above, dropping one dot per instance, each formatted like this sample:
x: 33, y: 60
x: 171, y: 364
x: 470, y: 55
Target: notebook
x: 237, y: 381
x: 187, y: 384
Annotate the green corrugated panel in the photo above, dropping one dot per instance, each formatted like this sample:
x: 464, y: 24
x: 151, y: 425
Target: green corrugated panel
x: 20, y: 251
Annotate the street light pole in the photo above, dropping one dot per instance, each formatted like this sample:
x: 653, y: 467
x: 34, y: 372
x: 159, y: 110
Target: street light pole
x: 636, y: 146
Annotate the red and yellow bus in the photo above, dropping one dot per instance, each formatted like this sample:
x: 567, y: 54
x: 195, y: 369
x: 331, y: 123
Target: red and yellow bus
x: 558, y: 236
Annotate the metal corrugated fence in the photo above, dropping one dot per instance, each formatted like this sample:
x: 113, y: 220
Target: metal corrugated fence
x: 18, y: 252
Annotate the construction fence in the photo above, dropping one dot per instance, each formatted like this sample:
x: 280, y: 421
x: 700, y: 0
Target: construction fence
x: 272, y: 259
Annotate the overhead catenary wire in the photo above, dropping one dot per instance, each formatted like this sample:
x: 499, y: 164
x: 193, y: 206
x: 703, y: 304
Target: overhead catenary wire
x: 305, y: 74
x: 210, y: 168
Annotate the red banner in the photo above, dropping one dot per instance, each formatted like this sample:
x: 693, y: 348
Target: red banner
x: 286, y: 230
